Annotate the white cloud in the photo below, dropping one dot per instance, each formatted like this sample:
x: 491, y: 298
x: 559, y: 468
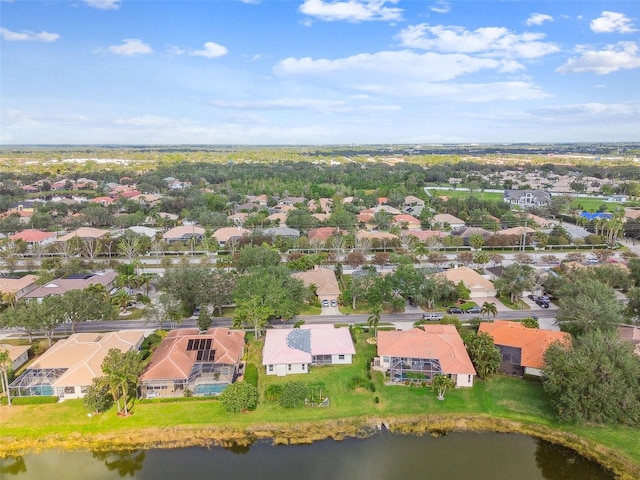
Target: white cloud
x: 489, y: 41
x: 352, y: 10
x: 281, y: 104
x: 610, y: 22
x: 621, y: 56
x: 441, y: 6
x: 210, y: 50
x: 145, y: 121
x: 388, y: 66
x: 131, y: 46
x: 27, y: 36
x: 104, y: 4
x: 538, y: 19
x: 589, y: 110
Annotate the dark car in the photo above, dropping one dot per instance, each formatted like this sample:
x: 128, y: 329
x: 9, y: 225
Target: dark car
x: 196, y: 311
x: 455, y: 310
x: 474, y: 309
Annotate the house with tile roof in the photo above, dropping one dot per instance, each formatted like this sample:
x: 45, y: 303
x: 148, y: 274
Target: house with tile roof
x: 325, y: 281
x: 18, y: 287
x: 289, y: 351
x: 406, y: 221
x: 68, y: 368
x: 433, y: 350
x: 203, y: 363
x: 522, y: 348
x: 479, y: 286
x: 18, y: 354
x: 444, y: 219
x: 227, y: 234
x: 84, y: 233
x: 183, y: 233
x: 34, y: 237
x: 78, y: 281
x: 321, y: 234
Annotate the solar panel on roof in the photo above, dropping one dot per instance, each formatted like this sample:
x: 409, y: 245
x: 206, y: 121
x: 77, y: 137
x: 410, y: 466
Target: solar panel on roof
x: 300, y: 339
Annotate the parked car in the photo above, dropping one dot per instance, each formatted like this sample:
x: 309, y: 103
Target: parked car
x: 432, y: 317
x: 455, y: 310
x: 474, y: 309
x: 196, y: 311
x: 334, y: 303
x: 325, y: 303
x: 542, y: 302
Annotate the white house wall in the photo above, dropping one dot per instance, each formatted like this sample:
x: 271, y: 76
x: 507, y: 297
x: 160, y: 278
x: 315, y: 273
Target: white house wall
x: 336, y: 360
x: 284, y: 369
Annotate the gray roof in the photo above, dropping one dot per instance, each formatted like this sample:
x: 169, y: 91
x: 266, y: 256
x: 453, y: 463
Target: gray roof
x: 281, y: 232
x: 300, y: 339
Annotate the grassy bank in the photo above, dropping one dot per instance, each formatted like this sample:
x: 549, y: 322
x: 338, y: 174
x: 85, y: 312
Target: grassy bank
x: 501, y: 404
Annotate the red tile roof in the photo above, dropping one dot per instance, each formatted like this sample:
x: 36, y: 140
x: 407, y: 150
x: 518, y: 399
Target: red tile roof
x: 32, y: 236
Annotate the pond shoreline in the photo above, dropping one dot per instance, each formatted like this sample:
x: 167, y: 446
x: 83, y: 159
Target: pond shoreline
x: 308, y: 432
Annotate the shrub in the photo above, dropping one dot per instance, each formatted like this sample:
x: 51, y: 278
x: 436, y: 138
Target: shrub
x: 98, y: 399
x: 273, y: 393
x: 293, y: 394
x: 34, y: 400
x: 358, y: 381
x: 251, y: 374
x: 376, y: 399
x: 372, y: 387
x: 239, y: 396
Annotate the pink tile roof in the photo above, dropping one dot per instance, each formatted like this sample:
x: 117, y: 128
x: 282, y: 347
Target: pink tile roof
x: 325, y: 340
x: 13, y: 285
x: 469, y: 277
x: 435, y: 341
x: 32, y: 236
x: 83, y: 232
x: 61, y: 285
x: 172, y: 360
x: 226, y: 233
x: 533, y: 342
x: 322, y: 233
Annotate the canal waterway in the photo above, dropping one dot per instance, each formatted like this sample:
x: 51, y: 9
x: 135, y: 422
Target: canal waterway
x: 464, y: 456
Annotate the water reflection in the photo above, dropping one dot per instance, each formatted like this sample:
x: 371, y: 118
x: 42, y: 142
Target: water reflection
x: 557, y: 463
x: 382, y: 457
x: 13, y: 466
x: 126, y: 462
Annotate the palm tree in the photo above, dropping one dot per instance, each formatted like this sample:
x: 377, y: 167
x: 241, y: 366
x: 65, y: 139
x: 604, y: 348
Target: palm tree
x: 442, y: 383
x: 489, y: 308
x: 374, y: 319
x: 5, y: 364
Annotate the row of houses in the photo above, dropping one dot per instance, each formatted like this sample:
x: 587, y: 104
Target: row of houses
x: 192, y: 362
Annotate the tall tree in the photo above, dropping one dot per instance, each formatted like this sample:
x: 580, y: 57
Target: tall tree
x: 253, y: 256
x: 188, y: 283
x: 515, y: 279
x: 486, y: 357
x: 587, y: 304
x: 442, y: 383
x: 374, y: 319
x: 121, y: 370
x: 5, y: 366
x: 595, y: 380
x: 489, y: 308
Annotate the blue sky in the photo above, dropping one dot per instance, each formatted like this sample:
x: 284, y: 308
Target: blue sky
x: 318, y: 71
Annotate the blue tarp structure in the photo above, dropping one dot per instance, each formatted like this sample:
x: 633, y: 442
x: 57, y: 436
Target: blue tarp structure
x: 596, y: 215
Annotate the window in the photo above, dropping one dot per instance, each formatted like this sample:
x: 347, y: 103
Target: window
x: 385, y: 359
x: 271, y: 368
x: 304, y: 366
x: 289, y: 366
x: 68, y: 390
x: 469, y: 379
x: 340, y: 357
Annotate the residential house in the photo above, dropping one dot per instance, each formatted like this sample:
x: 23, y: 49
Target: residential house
x: 16, y: 288
x: 34, y: 237
x: 522, y: 348
x: 104, y: 201
x: 444, y: 219
x: 406, y: 221
x: 84, y: 233
x: 290, y: 351
x: 18, y: 354
x: 321, y: 234
x: 183, y: 233
x: 479, y: 286
x: 630, y: 333
x: 519, y: 231
x: 77, y: 281
x: 192, y: 362
x: 146, y: 231
x: 434, y: 350
x: 411, y: 202
x: 466, y: 233
x: 617, y: 198
x: 68, y: 368
x: 424, y: 235
x: 527, y: 198
x: 632, y: 213
x: 325, y: 281
x: 229, y: 234
x: 282, y: 232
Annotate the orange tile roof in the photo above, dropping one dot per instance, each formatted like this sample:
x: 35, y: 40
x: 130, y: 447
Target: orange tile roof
x: 435, y: 341
x: 172, y: 360
x: 533, y: 342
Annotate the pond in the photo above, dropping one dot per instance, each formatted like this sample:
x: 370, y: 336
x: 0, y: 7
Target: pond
x: 383, y: 456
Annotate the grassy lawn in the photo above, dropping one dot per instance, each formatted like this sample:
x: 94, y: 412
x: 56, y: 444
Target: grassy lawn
x: 494, y: 196
x: 502, y: 397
